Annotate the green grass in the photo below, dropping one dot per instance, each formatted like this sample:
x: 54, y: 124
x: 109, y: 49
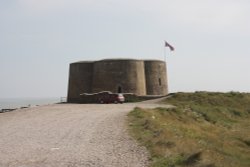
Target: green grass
x: 205, y: 129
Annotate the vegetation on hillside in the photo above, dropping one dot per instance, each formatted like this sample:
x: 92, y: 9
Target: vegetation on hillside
x: 204, y: 129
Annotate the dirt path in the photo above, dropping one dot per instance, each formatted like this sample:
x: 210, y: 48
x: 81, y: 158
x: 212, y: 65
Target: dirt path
x: 70, y: 135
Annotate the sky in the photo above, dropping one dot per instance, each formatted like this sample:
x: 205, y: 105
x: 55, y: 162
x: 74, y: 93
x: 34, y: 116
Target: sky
x: 40, y: 38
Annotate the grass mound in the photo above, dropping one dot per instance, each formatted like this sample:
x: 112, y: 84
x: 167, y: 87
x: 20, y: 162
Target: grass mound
x: 204, y: 130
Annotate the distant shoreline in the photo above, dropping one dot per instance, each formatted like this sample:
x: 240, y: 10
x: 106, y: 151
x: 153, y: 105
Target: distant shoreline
x: 17, y: 103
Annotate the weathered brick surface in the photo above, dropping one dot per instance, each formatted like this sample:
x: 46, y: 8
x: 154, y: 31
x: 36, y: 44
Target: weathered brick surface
x: 141, y: 77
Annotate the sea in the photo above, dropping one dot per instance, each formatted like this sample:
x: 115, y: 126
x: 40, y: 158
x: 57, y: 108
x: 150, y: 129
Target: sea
x: 13, y: 103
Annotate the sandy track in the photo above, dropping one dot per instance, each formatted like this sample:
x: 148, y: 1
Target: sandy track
x: 70, y: 135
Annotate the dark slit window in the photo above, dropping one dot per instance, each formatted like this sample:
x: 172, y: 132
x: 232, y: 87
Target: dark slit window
x: 160, y: 81
x: 119, y: 89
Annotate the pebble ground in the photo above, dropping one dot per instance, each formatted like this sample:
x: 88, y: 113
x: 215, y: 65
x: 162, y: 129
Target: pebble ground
x: 70, y: 135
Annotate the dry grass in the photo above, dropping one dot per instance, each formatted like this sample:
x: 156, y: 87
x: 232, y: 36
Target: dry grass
x: 205, y: 130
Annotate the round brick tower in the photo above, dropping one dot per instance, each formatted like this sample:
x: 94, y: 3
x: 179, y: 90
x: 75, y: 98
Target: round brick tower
x: 141, y: 77
x: 119, y: 76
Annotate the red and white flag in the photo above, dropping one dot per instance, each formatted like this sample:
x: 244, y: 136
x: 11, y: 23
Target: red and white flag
x: 170, y: 46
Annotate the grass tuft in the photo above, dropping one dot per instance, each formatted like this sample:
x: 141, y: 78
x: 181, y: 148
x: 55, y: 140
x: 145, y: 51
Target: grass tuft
x: 247, y: 142
x: 192, y: 159
x: 204, y: 129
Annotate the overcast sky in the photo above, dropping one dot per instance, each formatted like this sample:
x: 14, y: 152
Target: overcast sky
x: 40, y: 38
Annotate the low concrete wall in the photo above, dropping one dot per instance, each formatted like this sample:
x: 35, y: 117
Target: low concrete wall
x: 135, y: 98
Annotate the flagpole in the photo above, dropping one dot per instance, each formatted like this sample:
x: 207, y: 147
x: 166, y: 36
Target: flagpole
x: 165, y: 53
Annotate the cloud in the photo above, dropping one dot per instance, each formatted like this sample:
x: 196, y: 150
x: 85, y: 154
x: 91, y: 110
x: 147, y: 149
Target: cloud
x: 206, y: 15
x: 43, y: 6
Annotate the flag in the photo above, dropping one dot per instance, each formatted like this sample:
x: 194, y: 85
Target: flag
x: 168, y: 45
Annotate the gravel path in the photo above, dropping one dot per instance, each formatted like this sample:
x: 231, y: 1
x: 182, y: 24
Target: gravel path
x: 70, y: 135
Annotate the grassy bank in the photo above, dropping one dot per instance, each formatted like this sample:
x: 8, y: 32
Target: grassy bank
x: 204, y: 129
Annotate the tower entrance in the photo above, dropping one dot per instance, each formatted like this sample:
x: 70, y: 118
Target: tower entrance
x: 119, y: 89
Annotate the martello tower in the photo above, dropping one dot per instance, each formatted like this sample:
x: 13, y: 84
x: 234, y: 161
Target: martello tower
x: 141, y: 77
